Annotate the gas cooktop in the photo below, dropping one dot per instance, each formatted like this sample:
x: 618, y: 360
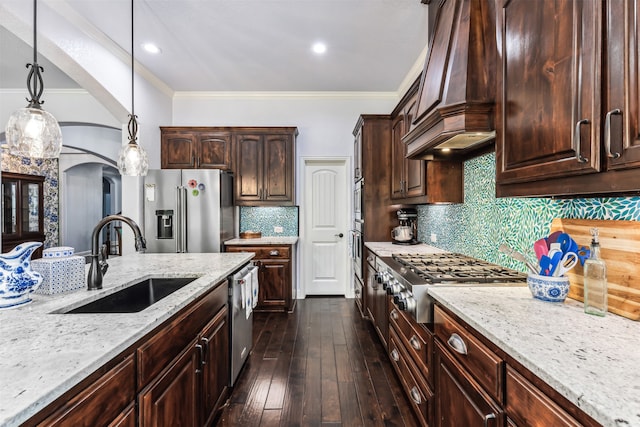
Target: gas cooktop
x: 456, y: 268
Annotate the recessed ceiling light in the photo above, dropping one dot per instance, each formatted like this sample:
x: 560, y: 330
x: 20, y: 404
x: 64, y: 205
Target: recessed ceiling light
x: 319, y: 48
x: 151, y: 48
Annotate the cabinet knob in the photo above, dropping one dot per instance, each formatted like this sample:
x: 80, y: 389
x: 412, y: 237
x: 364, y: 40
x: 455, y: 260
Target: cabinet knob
x: 415, y: 395
x: 415, y: 343
x: 394, y: 355
x: 274, y: 253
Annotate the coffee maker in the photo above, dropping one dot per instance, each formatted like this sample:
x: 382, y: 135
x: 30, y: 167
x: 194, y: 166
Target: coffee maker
x: 406, y: 233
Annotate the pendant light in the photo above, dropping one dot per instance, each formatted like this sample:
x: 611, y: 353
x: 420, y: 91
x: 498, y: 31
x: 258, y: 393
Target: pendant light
x: 31, y: 131
x: 132, y: 160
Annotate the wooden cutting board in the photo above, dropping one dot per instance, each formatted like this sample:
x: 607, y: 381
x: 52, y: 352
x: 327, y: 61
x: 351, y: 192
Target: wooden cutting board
x: 620, y: 248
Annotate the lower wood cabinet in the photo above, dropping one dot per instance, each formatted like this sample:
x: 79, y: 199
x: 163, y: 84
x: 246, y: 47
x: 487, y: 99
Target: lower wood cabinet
x: 178, y: 375
x: 277, y: 291
x: 377, y: 301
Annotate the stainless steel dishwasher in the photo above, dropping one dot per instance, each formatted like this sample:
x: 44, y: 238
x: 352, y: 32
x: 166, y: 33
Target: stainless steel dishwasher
x: 243, y: 285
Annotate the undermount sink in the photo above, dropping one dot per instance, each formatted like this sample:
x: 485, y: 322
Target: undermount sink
x: 134, y: 298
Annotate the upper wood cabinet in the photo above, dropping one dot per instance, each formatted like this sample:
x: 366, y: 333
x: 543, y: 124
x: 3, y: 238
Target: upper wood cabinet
x: 195, y: 148
x: 568, y: 108
x: 419, y: 181
x: 265, y: 166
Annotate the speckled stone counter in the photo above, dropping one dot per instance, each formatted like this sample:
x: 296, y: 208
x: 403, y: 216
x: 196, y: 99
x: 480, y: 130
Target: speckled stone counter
x: 592, y: 361
x: 385, y: 249
x: 285, y: 240
x: 43, y: 355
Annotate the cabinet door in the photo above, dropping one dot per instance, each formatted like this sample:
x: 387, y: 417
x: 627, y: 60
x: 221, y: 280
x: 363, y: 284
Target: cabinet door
x: 249, y: 168
x: 397, y: 158
x: 622, y: 90
x: 215, y: 373
x: 461, y: 402
x: 171, y: 400
x: 357, y: 156
x: 278, y: 168
x: 214, y: 151
x: 548, y: 106
x: 178, y: 150
x: 274, y: 278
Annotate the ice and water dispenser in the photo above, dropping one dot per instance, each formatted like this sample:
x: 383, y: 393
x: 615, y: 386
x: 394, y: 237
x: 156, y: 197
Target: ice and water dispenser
x: 164, y: 224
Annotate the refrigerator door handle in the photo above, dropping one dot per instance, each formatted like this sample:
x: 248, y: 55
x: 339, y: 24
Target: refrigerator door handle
x: 183, y: 222
x: 178, y: 220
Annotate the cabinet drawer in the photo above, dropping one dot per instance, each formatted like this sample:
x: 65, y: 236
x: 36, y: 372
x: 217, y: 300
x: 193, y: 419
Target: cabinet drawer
x: 526, y: 405
x: 155, y: 354
x: 415, y: 339
x: 482, y: 363
x: 420, y: 396
x: 264, y: 252
x: 102, y: 402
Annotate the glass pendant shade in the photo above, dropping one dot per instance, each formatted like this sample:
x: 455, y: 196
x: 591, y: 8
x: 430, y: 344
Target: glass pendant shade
x: 133, y: 160
x: 33, y: 132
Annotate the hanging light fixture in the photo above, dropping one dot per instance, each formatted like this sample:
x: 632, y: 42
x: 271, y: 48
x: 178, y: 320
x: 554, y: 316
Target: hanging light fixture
x: 132, y: 160
x: 31, y: 131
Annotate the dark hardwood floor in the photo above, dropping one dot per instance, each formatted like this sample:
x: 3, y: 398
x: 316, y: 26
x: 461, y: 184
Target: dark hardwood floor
x: 322, y: 365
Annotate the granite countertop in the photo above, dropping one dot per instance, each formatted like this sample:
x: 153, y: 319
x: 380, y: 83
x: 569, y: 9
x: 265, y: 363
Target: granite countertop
x: 386, y: 249
x: 284, y: 240
x: 43, y: 355
x: 592, y: 361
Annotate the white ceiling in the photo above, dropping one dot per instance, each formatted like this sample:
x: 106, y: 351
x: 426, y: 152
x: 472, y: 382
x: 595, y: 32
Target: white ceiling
x: 245, y: 45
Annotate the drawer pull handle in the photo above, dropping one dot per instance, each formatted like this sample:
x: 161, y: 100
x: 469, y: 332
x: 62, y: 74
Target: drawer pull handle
x: 394, y: 355
x: 206, y: 350
x: 415, y: 343
x: 415, y: 396
x: 274, y: 253
x: 487, y: 418
x: 394, y: 314
x: 457, y: 343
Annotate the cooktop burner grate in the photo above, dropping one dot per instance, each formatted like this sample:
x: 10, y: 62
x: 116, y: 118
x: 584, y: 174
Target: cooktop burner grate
x: 457, y: 268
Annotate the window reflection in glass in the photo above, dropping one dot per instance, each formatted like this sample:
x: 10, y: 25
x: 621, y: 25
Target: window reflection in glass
x: 31, y: 207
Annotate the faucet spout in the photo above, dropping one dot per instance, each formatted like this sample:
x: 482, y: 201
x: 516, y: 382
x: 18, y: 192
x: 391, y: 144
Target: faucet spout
x: 99, y: 267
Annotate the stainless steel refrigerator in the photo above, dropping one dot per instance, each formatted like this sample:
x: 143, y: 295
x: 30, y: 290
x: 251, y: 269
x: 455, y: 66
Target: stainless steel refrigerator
x: 188, y: 210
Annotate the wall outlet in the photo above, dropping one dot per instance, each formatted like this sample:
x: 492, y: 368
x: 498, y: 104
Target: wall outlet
x: 278, y: 229
x: 434, y: 238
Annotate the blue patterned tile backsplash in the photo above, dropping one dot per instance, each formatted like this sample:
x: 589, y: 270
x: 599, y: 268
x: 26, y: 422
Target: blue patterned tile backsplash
x: 483, y: 222
x: 263, y: 219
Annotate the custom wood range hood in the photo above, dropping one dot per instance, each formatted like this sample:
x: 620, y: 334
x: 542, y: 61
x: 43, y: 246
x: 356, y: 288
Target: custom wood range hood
x: 455, y: 108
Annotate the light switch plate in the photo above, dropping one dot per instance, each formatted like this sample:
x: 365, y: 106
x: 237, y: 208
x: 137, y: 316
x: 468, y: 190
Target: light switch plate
x: 278, y: 229
x: 434, y: 238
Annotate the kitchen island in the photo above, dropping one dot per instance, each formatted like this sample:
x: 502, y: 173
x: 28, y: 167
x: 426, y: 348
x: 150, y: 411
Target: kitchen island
x: 43, y: 355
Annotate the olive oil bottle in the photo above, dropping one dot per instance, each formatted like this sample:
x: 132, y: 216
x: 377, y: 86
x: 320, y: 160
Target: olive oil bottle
x: 595, y: 279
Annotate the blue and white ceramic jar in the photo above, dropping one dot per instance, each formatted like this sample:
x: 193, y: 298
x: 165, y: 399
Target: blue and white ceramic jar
x: 17, y: 279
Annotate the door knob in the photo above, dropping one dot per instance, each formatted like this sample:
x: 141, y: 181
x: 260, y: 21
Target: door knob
x: 339, y: 235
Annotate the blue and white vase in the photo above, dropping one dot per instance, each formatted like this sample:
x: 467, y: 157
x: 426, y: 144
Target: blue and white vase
x: 17, y: 279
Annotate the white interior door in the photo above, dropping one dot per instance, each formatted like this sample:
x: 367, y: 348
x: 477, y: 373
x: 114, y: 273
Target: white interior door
x: 326, y: 225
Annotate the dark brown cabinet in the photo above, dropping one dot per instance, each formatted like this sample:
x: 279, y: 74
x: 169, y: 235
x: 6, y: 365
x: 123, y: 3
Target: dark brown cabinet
x: 22, y: 210
x: 568, y: 109
x: 264, y: 166
x: 108, y: 401
x: 195, y: 148
x: 377, y: 300
x: 277, y: 291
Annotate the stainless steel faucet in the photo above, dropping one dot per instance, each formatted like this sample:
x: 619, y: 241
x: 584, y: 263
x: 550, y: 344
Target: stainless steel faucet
x: 99, y: 267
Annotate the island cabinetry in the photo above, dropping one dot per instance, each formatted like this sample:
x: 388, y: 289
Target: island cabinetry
x: 411, y: 354
x: 186, y: 389
x: 579, y: 133
x: 195, y: 148
x: 265, y: 166
x: 277, y: 291
x: 109, y: 401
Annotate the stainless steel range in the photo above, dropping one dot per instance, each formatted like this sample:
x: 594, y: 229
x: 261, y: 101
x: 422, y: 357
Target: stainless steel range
x: 408, y: 276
